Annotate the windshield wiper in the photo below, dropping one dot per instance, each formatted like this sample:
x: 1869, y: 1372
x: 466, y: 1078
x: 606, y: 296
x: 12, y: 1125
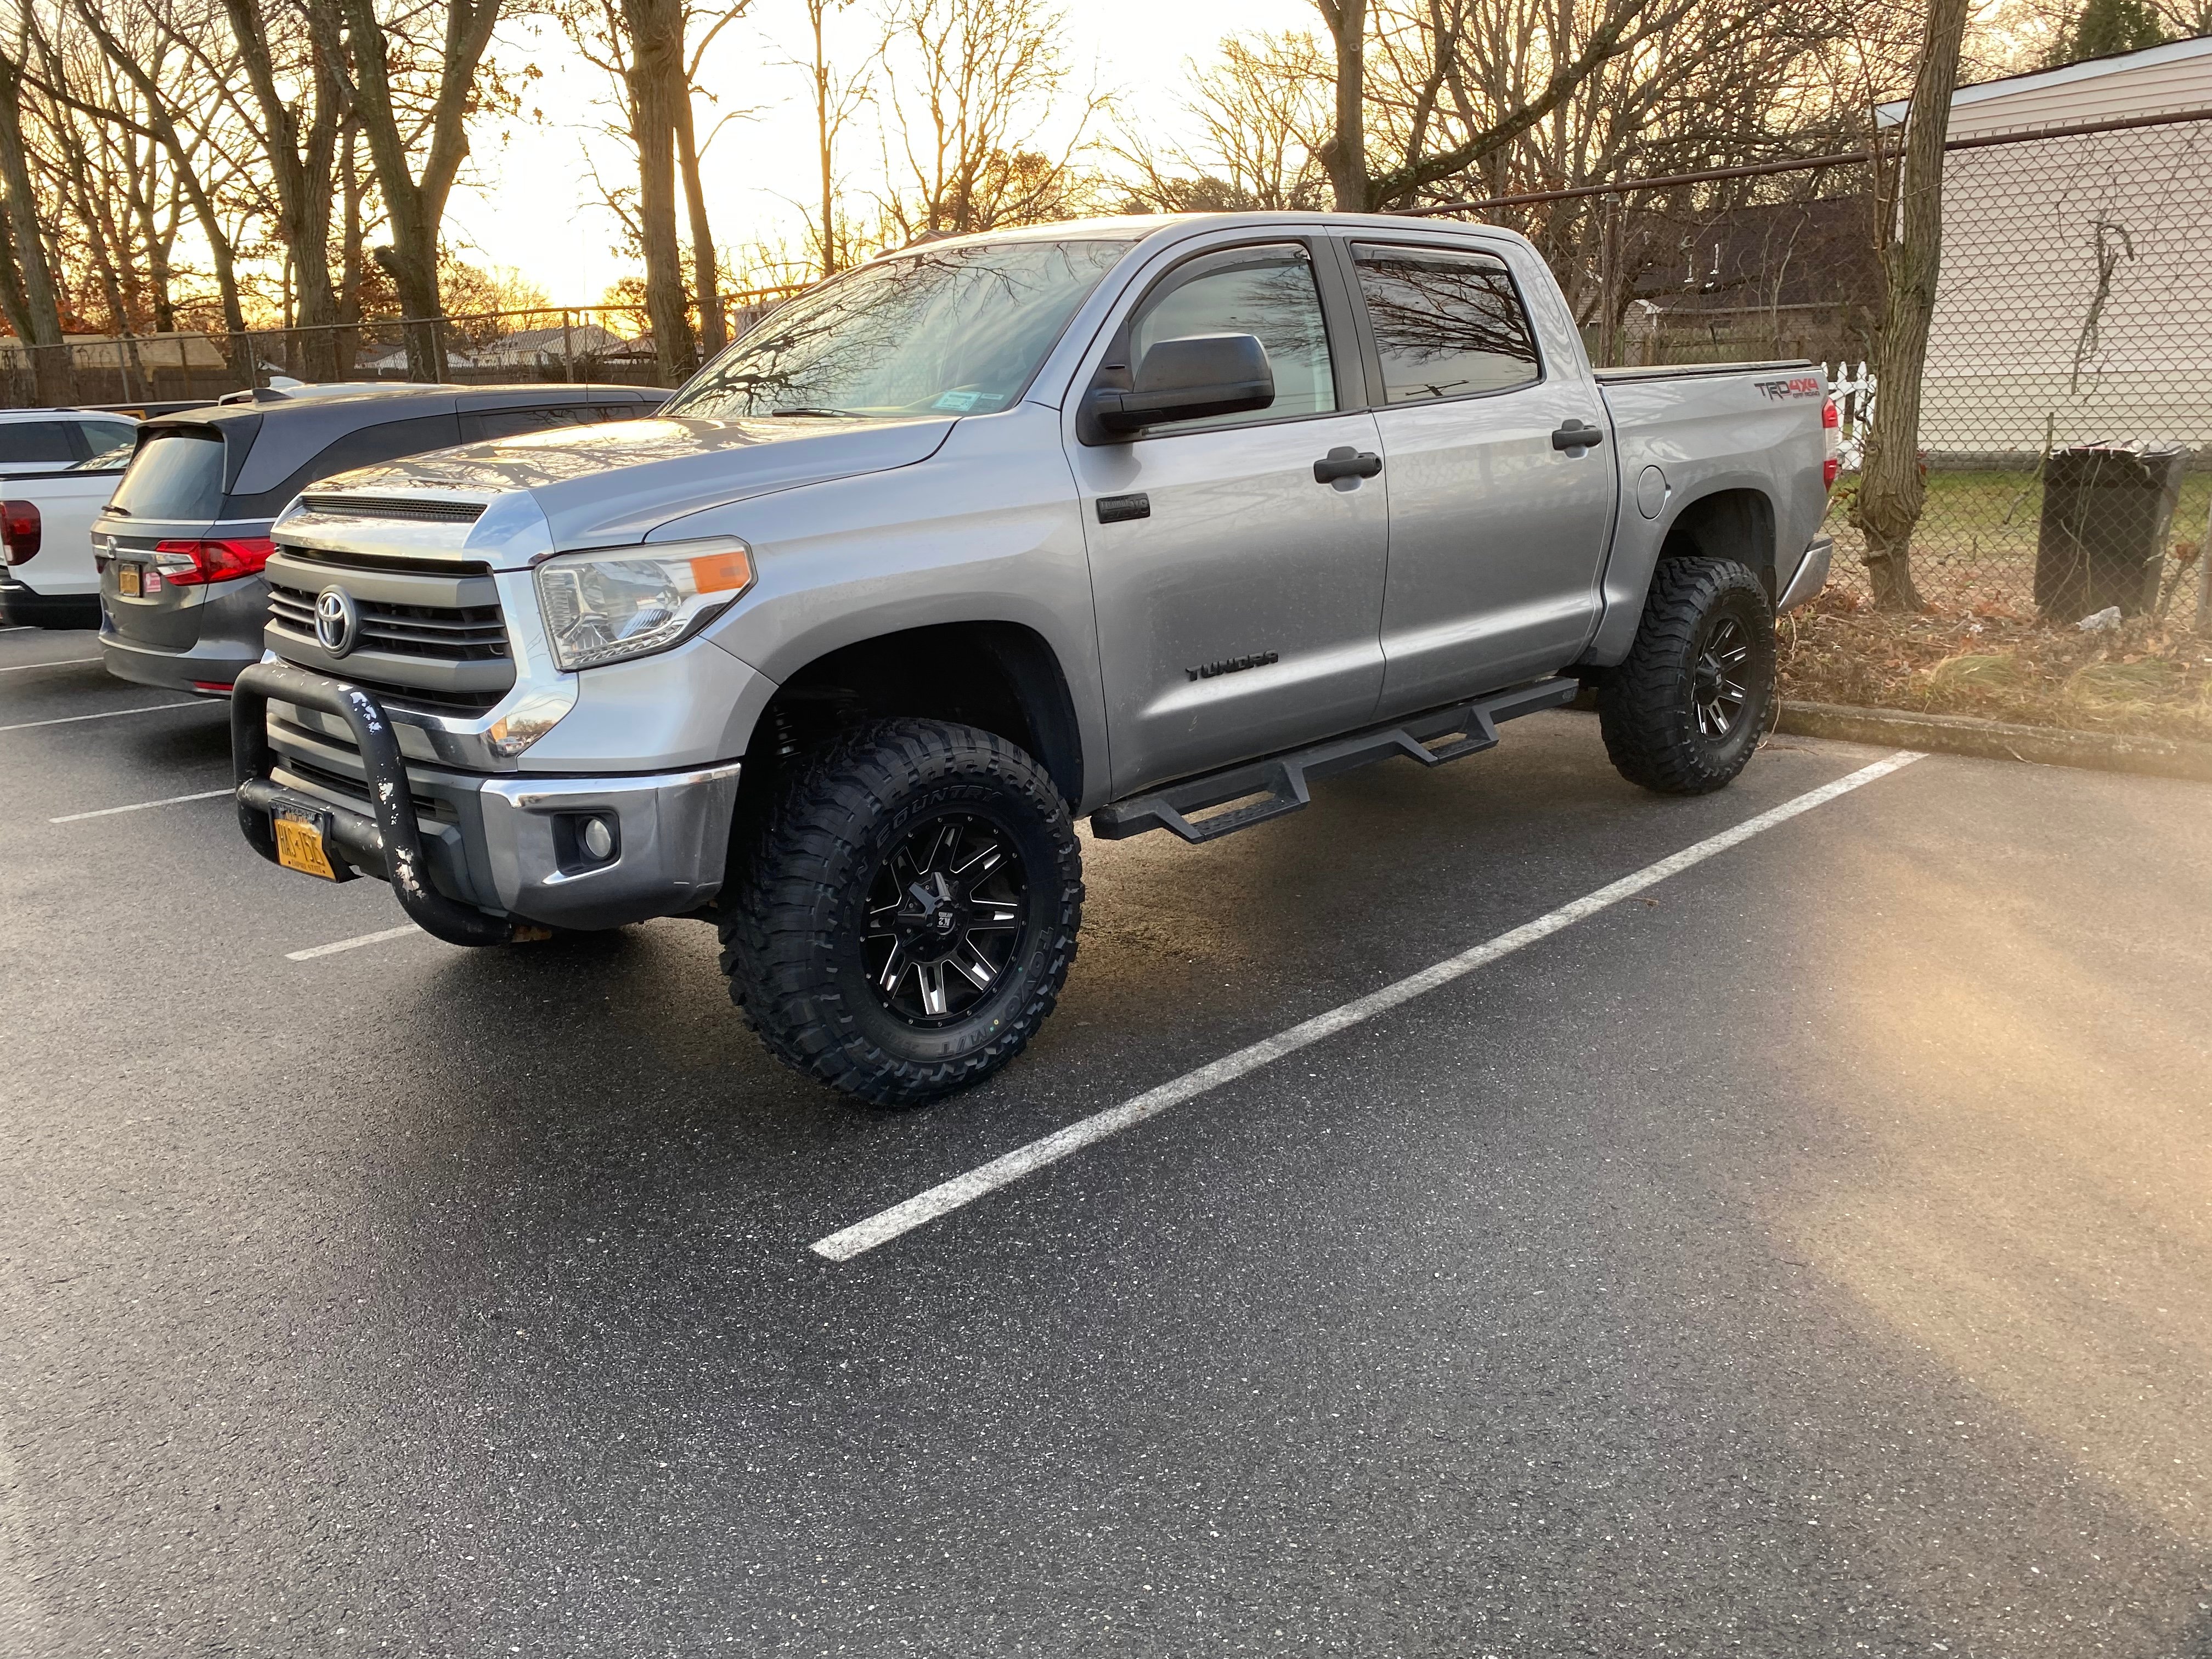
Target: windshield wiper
x: 809, y: 413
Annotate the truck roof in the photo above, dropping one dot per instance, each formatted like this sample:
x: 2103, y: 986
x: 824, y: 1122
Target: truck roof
x: 1135, y: 227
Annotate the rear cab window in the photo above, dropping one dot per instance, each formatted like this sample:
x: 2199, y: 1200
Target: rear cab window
x: 36, y: 443
x: 100, y: 436
x: 1446, y: 322
x: 176, y: 475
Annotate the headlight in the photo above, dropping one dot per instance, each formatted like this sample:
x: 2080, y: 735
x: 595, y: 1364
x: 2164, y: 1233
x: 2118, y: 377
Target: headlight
x: 626, y: 602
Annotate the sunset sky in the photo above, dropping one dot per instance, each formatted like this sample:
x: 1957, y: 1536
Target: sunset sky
x: 531, y: 204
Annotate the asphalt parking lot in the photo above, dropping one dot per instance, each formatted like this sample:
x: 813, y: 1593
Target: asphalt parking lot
x: 1806, y: 1253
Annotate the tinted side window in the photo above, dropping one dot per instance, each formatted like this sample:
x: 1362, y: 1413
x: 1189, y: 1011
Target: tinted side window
x: 371, y: 444
x: 178, y: 474
x: 364, y: 447
x: 1446, y: 324
x: 481, y: 424
x: 1264, y: 291
x: 24, y: 443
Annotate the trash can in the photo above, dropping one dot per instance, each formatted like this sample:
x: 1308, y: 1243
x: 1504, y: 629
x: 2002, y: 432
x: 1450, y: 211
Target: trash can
x: 2106, y: 509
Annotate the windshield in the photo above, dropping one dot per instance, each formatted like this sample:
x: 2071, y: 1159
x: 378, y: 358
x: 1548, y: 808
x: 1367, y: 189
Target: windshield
x: 952, y: 331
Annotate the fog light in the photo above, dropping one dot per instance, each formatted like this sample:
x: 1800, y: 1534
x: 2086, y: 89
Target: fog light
x: 598, y: 837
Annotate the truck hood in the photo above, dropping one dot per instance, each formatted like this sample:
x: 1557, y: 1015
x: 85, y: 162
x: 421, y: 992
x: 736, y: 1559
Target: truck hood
x: 603, y: 486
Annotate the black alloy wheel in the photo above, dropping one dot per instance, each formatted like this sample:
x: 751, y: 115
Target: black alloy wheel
x: 1720, y: 682
x: 946, y: 918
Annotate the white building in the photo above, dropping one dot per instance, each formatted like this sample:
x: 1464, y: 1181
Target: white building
x: 2076, y: 301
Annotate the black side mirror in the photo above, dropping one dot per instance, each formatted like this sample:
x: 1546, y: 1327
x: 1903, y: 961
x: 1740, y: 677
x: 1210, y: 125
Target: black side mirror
x: 1188, y: 380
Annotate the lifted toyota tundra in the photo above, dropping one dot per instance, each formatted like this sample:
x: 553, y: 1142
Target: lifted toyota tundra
x: 1152, y: 521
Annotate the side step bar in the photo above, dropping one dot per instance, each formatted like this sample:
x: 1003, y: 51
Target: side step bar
x: 1282, y: 779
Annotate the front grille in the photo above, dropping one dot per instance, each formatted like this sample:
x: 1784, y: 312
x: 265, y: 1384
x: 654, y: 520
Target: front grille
x: 395, y: 507
x: 352, y: 791
x: 475, y: 633
x: 428, y: 639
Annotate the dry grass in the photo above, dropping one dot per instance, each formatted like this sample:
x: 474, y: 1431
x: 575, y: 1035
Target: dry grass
x: 2151, y: 676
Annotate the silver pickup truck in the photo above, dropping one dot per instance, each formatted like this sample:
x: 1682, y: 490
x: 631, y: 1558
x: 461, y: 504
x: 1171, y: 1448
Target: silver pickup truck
x: 1154, y: 520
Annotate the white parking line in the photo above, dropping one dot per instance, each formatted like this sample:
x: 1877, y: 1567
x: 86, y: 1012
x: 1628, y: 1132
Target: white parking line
x: 864, y: 1236
x: 354, y: 943
x: 139, y: 806
x: 150, y: 708
x: 64, y: 662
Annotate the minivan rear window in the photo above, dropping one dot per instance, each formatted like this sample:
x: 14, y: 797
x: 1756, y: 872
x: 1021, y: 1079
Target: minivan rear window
x: 178, y: 474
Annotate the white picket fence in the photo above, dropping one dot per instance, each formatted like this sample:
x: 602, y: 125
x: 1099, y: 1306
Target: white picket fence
x: 1852, y: 390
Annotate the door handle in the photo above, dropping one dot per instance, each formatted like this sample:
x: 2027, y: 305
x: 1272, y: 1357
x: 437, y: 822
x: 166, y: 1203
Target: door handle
x: 1346, y: 462
x: 1574, y: 436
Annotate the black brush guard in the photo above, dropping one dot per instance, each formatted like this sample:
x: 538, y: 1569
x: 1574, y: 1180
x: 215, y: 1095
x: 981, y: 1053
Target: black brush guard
x: 392, y: 841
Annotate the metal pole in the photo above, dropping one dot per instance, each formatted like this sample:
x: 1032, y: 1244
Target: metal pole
x: 2204, y: 576
x: 567, y: 345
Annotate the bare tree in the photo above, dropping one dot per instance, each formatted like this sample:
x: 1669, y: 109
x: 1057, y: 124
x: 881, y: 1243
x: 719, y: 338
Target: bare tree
x: 838, y: 99
x: 653, y: 51
x: 1891, y: 492
x: 153, y: 53
x: 974, y: 86
x: 1465, y: 80
x: 28, y: 293
x: 1263, y: 114
x: 296, y: 73
x: 415, y: 201
x: 1345, y: 150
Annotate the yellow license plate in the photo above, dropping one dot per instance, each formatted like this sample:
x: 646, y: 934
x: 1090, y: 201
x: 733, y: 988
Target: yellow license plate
x: 126, y: 580
x: 300, y: 847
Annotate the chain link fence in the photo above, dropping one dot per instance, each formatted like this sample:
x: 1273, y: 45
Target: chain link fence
x: 603, y: 343
x: 2066, y: 407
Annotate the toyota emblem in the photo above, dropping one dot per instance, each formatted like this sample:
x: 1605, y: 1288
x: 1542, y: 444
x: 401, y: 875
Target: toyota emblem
x: 337, y: 623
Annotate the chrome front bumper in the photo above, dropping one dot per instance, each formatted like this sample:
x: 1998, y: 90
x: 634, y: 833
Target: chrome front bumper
x: 469, y: 856
x: 672, y: 840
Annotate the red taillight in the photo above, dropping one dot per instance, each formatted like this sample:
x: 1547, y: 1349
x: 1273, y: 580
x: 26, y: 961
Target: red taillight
x: 1830, y: 417
x: 20, y: 531
x: 1829, y: 468
x: 193, y: 564
x: 1832, y: 440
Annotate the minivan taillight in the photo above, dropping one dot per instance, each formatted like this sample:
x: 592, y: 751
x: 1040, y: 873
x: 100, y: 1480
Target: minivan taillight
x: 1832, y: 435
x: 193, y: 564
x: 20, y: 531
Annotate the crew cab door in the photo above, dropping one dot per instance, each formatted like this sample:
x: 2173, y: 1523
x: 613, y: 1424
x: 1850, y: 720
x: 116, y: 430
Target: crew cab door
x: 1238, y: 597
x: 1497, y: 533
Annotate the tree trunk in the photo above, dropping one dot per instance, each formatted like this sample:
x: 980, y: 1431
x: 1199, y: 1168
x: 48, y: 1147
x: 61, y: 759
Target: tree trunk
x: 1345, y: 151
x: 655, y: 82
x: 1890, y: 488
x: 414, y: 278
x: 416, y: 206
x: 40, y: 328
x: 300, y: 137
x: 822, y: 140
x: 705, y: 266
x: 349, y: 253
